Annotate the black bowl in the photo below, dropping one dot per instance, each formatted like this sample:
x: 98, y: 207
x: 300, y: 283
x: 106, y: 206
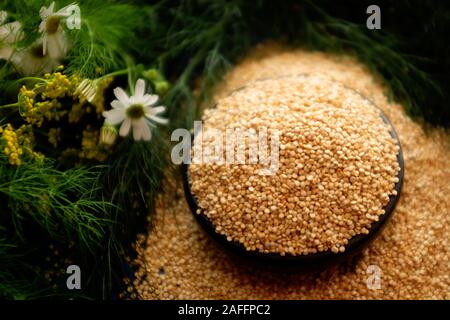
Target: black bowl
x: 354, y: 246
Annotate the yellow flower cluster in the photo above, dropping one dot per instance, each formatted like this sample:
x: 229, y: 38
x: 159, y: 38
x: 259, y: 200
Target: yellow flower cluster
x: 58, y: 85
x: 26, y: 104
x: 54, y: 136
x: 15, y: 144
x: 59, y: 97
x: 42, y: 101
x: 35, y: 112
x: 76, y: 112
x: 12, y: 148
x: 26, y: 140
x: 99, y: 101
x: 90, y: 147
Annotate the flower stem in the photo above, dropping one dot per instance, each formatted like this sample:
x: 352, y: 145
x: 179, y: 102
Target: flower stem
x: 11, y: 105
x: 131, y: 73
x: 31, y: 78
x: 113, y: 74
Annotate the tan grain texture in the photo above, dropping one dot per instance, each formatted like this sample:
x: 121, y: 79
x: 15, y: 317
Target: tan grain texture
x: 180, y: 261
x: 337, y: 166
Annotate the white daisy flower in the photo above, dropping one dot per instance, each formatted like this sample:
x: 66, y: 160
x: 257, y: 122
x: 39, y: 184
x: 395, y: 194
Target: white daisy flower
x: 53, y: 37
x: 31, y: 61
x: 135, y: 112
x: 9, y: 34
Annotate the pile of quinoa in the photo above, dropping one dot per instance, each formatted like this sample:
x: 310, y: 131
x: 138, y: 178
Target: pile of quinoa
x: 337, y: 167
x: 178, y: 260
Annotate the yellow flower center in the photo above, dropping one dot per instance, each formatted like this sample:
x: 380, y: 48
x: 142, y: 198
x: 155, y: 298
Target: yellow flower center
x: 52, y: 24
x: 135, y: 111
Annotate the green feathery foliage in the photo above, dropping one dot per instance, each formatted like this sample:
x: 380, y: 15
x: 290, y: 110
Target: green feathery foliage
x: 65, y: 204
x: 67, y: 209
x: 199, y: 39
x: 100, y: 46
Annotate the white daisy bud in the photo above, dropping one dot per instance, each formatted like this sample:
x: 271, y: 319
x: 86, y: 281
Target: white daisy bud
x: 108, y: 134
x: 87, y: 90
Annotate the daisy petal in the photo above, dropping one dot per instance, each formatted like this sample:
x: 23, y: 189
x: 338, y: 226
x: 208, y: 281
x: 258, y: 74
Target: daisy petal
x: 149, y: 123
x: 139, y: 90
x: 149, y: 99
x: 157, y: 119
x: 55, y: 46
x: 5, y: 53
x: 121, y: 95
x: 134, y: 100
x: 42, y: 27
x: 65, y: 12
x: 146, y: 133
x: 61, y: 44
x: 125, y: 128
x: 114, y: 116
x: 116, y: 104
x: 51, y: 7
x: 3, y: 15
x: 155, y: 110
x: 9, y: 33
x: 138, y: 129
x: 44, y: 44
x: 45, y: 12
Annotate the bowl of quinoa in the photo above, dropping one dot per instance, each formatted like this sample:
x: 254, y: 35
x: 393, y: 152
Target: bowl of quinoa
x: 338, y: 178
